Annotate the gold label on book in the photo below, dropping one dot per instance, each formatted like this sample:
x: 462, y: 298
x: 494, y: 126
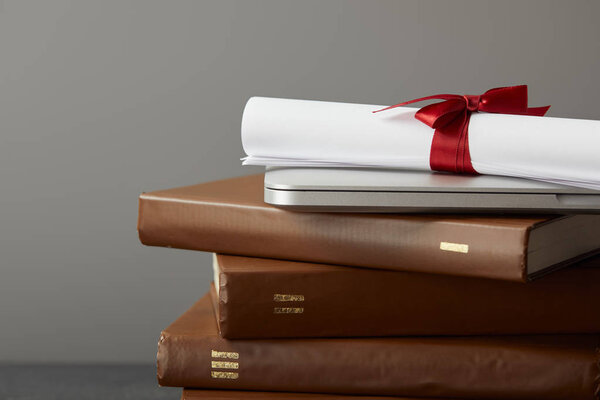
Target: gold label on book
x: 224, y: 354
x: 455, y: 247
x: 224, y: 375
x: 224, y: 364
x: 288, y: 297
x: 288, y: 310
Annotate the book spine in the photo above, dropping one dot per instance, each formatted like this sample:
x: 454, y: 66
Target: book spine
x: 477, y: 368
x: 419, y: 244
x: 329, y: 301
x: 199, y: 394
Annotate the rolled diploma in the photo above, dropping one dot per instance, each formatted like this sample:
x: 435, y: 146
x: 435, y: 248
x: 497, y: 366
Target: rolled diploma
x: 289, y: 132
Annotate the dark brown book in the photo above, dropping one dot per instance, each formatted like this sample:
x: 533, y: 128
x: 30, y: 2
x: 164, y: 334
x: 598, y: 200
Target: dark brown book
x: 200, y: 394
x: 229, y: 216
x: 192, y: 354
x: 267, y: 298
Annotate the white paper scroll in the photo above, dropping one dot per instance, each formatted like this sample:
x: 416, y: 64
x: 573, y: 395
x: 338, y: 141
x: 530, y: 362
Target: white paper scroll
x: 286, y: 132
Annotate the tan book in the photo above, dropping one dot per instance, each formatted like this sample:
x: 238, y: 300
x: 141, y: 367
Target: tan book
x: 553, y: 367
x: 268, y: 298
x: 229, y: 216
x: 199, y: 394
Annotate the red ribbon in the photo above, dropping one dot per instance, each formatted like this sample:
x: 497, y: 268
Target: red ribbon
x: 450, y: 119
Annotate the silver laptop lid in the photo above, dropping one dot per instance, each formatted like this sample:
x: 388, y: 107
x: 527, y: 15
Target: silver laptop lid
x: 384, y: 190
x: 369, y: 179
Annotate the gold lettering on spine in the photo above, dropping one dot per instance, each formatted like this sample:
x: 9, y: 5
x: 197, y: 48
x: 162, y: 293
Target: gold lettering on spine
x: 288, y: 310
x: 278, y: 297
x: 225, y: 364
x: 224, y: 354
x: 288, y: 297
x: 232, y: 355
x: 224, y: 375
x: 455, y: 247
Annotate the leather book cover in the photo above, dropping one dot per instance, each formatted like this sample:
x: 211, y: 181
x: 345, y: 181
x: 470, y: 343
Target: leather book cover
x: 199, y: 394
x: 192, y: 354
x: 229, y: 216
x: 268, y: 298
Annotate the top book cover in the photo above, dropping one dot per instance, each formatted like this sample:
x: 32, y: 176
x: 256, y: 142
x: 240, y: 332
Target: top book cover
x: 230, y: 217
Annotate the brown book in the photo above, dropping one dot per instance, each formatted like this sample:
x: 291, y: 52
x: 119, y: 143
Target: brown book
x: 200, y: 394
x: 192, y: 354
x: 267, y: 298
x: 229, y: 216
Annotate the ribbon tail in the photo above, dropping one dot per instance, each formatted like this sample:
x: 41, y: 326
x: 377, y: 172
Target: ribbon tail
x: 434, y: 97
x: 538, y: 111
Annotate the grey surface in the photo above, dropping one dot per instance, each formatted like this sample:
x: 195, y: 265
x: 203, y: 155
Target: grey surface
x: 101, y: 100
x: 82, y: 382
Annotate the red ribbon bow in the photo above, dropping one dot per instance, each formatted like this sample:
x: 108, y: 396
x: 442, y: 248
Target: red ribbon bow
x: 450, y: 119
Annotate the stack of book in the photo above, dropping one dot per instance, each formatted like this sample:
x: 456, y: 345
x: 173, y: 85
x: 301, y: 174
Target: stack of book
x: 332, y: 306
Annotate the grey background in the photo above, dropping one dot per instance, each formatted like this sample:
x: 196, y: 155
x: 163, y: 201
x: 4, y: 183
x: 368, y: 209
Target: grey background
x: 101, y: 100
